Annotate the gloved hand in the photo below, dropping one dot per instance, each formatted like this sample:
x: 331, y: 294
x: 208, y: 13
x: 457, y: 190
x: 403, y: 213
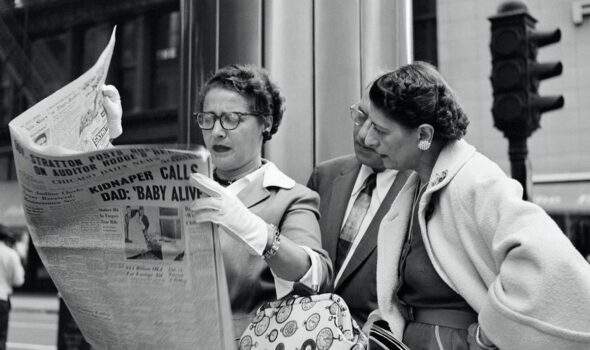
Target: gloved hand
x: 227, y: 210
x: 112, y: 105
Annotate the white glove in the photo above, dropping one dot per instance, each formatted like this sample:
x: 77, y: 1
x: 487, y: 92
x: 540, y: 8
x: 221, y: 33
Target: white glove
x: 227, y: 210
x: 112, y: 105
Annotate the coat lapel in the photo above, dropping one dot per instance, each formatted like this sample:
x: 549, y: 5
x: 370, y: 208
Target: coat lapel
x: 392, y: 234
x: 451, y: 159
x: 257, y: 190
x: 254, y: 193
x: 369, y: 241
x: 341, y: 190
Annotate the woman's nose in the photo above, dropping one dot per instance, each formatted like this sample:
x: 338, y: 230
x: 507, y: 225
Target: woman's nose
x: 218, y: 130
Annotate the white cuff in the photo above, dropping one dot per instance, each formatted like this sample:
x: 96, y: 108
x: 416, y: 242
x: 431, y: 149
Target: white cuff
x: 311, y: 278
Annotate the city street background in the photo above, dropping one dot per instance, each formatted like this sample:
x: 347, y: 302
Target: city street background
x: 33, y: 322
x: 322, y: 54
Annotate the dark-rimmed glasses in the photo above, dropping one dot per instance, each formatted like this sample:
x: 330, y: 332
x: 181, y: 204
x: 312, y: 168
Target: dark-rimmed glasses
x: 357, y: 115
x: 228, y: 120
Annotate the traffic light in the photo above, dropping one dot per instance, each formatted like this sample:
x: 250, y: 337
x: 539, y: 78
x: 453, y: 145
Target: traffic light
x: 516, y: 74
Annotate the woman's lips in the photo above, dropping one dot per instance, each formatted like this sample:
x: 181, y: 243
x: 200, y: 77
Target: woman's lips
x: 220, y: 148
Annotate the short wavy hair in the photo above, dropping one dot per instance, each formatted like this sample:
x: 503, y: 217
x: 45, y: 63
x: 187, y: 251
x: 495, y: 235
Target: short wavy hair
x: 416, y: 94
x: 253, y: 83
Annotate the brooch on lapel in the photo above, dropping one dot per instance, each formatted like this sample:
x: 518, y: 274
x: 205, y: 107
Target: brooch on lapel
x: 438, y: 178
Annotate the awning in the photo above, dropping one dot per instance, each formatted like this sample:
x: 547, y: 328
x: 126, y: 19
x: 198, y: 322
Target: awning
x: 563, y: 197
x: 11, y: 207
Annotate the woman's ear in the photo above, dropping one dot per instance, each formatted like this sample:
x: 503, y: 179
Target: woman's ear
x: 425, y: 136
x: 267, y: 123
x: 426, y: 133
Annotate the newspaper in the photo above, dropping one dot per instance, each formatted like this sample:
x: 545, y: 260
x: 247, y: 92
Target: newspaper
x: 113, y: 226
x: 73, y: 117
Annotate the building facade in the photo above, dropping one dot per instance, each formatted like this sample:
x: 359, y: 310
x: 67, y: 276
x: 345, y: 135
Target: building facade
x: 558, y: 150
x: 321, y: 53
x: 44, y: 44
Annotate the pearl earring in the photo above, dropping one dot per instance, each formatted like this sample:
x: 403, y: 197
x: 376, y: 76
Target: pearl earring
x: 424, y: 145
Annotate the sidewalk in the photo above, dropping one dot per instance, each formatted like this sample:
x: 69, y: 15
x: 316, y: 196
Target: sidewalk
x: 35, y: 302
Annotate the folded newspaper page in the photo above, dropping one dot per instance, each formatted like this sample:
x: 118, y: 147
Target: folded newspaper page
x: 73, y: 117
x: 114, y: 229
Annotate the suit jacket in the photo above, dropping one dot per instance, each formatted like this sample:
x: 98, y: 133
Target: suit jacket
x: 293, y: 208
x: 334, y: 181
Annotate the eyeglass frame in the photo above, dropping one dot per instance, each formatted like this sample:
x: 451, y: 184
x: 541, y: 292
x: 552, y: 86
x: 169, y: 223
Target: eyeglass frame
x: 358, y: 116
x: 217, y: 117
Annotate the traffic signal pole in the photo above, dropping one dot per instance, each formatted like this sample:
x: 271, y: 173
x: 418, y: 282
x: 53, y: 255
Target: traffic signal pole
x: 516, y: 76
x: 520, y: 165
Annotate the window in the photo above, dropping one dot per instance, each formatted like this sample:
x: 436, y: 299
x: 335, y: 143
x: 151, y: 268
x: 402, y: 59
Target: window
x: 577, y: 229
x: 425, y: 34
x: 48, y: 57
x: 95, y: 40
x: 579, y: 234
x: 6, y: 96
x: 128, y: 68
x: 166, y: 86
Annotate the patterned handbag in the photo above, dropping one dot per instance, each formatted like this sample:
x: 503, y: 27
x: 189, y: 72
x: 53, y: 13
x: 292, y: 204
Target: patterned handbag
x: 321, y: 322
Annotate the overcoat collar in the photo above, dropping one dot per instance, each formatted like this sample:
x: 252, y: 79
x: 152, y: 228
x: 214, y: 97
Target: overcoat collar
x: 257, y: 190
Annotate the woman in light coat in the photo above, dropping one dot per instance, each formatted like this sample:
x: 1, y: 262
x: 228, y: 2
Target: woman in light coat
x: 463, y: 261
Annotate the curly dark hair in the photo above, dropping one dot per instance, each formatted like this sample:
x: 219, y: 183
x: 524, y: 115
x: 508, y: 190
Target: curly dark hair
x: 254, y: 84
x: 416, y: 94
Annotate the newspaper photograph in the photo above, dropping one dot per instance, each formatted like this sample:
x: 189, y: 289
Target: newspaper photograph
x: 113, y: 227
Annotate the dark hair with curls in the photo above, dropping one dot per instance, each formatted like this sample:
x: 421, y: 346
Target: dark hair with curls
x: 253, y: 83
x: 416, y: 94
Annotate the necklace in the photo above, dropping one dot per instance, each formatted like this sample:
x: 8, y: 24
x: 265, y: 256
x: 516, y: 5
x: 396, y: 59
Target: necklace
x: 222, y: 182
x: 227, y: 182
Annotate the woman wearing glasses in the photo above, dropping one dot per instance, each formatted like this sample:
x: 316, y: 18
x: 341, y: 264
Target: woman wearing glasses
x: 463, y: 262
x: 269, y: 228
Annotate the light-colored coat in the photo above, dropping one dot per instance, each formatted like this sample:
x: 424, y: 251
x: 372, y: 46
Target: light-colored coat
x: 505, y: 256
